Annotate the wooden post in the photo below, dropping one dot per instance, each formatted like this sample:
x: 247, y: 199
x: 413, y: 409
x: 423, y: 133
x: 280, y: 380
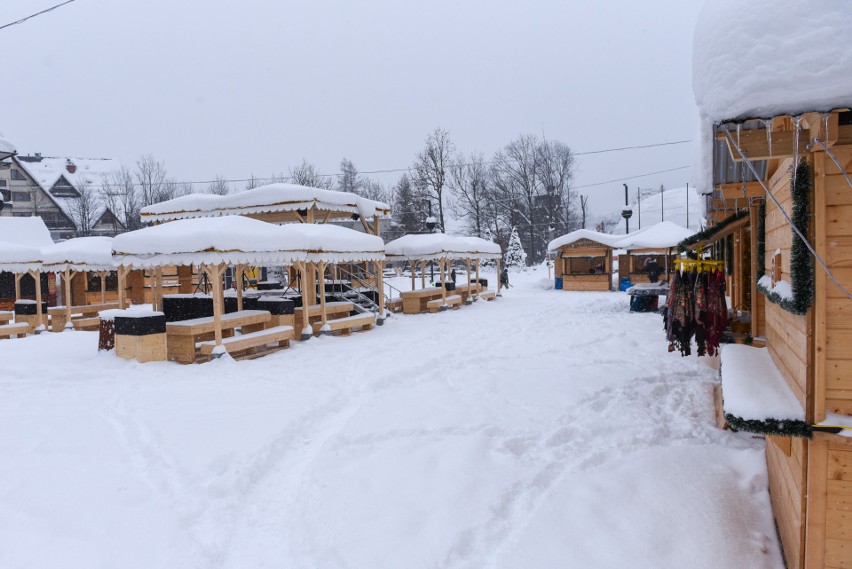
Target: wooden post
x: 469, y: 292
x: 157, y: 293
x: 122, y: 284
x: 412, y: 263
x: 103, y: 276
x: 422, y: 274
x: 305, y: 331
x: 40, y: 317
x: 66, y: 276
x: 18, y: 277
x: 323, y: 313
x: 498, y: 276
x: 215, y: 274
x: 380, y: 277
x: 442, y: 264
x: 477, y: 273
x: 239, y: 270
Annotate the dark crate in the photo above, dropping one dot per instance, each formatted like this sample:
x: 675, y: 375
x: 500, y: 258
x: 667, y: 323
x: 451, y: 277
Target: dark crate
x: 144, y: 326
x: 29, y: 308
x: 180, y: 307
x: 277, y: 307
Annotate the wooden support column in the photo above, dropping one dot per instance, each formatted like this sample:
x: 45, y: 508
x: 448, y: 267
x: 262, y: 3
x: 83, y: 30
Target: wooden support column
x: 422, y: 274
x: 380, y: 276
x: 305, y: 332
x: 323, y: 313
x: 377, y: 225
x: 18, y: 277
x: 215, y: 274
x: 753, y: 220
x: 412, y: 263
x: 122, y: 285
x: 470, y: 292
x: 41, y: 317
x: 477, y: 272
x: 239, y: 270
x: 157, y: 294
x: 66, y: 277
x: 103, y: 276
x: 442, y: 264
x: 498, y: 276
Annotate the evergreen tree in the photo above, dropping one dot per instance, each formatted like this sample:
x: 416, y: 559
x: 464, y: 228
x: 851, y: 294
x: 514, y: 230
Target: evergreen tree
x: 349, y: 179
x: 516, y: 257
x: 405, y: 214
x: 488, y: 237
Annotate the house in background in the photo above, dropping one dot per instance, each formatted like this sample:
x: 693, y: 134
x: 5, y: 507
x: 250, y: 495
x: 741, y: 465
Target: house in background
x: 66, y: 193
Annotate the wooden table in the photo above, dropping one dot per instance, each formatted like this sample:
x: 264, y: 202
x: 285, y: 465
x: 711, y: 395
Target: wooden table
x: 332, y: 309
x: 59, y: 314
x: 415, y: 301
x: 182, y: 337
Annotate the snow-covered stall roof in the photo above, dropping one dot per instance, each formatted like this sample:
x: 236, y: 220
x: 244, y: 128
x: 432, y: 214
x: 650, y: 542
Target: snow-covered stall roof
x: 265, y: 199
x: 80, y: 254
x: 242, y: 240
x: 603, y: 238
x: 659, y: 236
x: 16, y: 258
x: 763, y: 58
x: 428, y: 246
x: 26, y: 231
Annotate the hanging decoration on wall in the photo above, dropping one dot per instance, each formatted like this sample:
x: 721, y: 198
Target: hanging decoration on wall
x: 801, y: 262
x: 685, y: 246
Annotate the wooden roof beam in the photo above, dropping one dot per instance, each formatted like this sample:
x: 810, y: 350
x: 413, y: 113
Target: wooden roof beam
x: 755, y: 144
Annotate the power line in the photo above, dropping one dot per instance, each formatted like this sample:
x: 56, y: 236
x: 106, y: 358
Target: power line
x: 630, y: 178
x: 31, y: 16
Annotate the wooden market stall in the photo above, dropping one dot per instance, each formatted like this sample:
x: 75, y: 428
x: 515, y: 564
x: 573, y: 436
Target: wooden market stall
x: 28, y: 315
x: 777, y: 172
x: 30, y: 232
x: 78, y: 262
x: 583, y: 260
x: 650, y: 252
x: 213, y: 244
x: 443, y: 249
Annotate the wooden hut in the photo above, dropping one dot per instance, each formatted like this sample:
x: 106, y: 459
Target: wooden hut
x: 29, y: 232
x: 650, y: 252
x: 212, y: 244
x: 29, y: 315
x: 777, y: 169
x: 582, y: 260
x: 443, y: 249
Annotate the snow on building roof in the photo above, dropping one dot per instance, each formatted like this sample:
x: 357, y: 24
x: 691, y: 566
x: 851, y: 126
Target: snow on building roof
x: 26, y: 231
x: 80, y: 254
x: 659, y: 236
x: 427, y: 246
x: 754, y: 389
x: 269, y: 198
x: 6, y: 148
x: 763, y: 58
x: 243, y: 240
x: 17, y: 258
x: 569, y: 238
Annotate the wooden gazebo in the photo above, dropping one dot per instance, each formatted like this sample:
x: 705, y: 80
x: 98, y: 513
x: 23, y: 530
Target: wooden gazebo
x: 21, y: 261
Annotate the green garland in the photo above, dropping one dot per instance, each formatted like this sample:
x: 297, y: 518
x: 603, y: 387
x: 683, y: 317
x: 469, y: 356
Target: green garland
x: 783, y: 428
x: 801, y: 263
x: 686, y: 245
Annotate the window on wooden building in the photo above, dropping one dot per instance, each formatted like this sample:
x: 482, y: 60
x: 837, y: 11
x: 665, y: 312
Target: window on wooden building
x: 93, y: 282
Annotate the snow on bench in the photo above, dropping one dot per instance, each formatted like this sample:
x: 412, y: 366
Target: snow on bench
x: 236, y: 344
x: 488, y: 295
x: 18, y: 330
x: 755, y: 394
x: 345, y: 325
x: 86, y: 323
x: 6, y: 316
x: 453, y: 300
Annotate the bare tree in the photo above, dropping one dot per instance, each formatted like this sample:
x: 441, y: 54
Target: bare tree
x: 306, y: 174
x: 349, y: 179
x: 373, y: 190
x: 85, y: 207
x: 515, y: 175
x: 219, y: 186
x: 471, y: 191
x: 151, y: 181
x: 253, y: 182
x: 584, y: 210
x: 121, y: 197
x: 429, y: 171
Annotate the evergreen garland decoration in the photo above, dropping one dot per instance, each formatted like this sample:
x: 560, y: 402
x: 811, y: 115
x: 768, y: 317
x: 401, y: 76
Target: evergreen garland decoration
x: 685, y: 246
x: 783, y: 428
x: 801, y: 264
x: 761, y: 240
x: 785, y: 303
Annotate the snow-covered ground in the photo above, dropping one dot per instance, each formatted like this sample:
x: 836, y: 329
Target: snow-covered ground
x: 545, y: 429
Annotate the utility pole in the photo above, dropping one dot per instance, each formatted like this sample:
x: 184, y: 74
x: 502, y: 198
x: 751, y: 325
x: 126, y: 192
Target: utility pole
x: 626, y: 212
x: 662, y: 205
x: 687, y: 205
x: 639, y: 205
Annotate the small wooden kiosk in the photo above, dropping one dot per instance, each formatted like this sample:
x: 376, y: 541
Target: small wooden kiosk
x: 76, y: 261
x: 213, y: 244
x: 443, y: 249
x: 29, y: 315
x: 583, y: 260
x: 650, y: 249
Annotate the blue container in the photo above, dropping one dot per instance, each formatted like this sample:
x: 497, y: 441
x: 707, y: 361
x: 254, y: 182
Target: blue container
x: 624, y: 284
x: 558, y: 283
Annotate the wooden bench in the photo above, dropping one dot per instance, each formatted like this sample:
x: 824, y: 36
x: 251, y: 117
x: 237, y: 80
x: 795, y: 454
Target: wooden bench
x: 416, y: 301
x: 89, y: 324
x: 6, y: 316
x: 182, y: 337
x: 314, y: 312
x: 488, y: 295
x: 59, y: 315
x: 253, y: 344
x: 18, y: 330
x: 454, y: 301
x: 394, y: 305
x: 345, y: 325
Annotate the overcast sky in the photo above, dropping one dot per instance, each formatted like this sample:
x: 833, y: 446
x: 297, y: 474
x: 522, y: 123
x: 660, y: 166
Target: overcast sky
x: 234, y: 88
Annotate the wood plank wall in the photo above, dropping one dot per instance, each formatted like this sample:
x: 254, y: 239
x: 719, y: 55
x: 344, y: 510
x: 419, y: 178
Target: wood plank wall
x: 787, y: 463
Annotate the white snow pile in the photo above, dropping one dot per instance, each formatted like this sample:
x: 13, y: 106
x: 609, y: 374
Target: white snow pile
x: 16, y: 258
x: 763, y: 58
x: 80, y: 254
x: 836, y: 420
x: 269, y: 198
x: 782, y: 288
x: 238, y: 240
x: 659, y: 236
x: 428, y: 246
x: 602, y: 238
x: 753, y: 388
x: 6, y: 147
x: 26, y: 231
x: 543, y: 430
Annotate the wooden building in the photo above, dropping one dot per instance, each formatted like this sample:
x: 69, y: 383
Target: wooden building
x: 650, y: 252
x: 583, y: 260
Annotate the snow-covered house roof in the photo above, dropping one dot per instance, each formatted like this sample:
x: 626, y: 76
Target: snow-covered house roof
x: 264, y: 199
x: 25, y: 231
x: 16, y: 258
x: 6, y: 148
x: 80, y: 254
x: 603, y: 238
x: 428, y: 246
x: 659, y: 236
x: 243, y: 240
x: 62, y: 180
x: 763, y: 58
